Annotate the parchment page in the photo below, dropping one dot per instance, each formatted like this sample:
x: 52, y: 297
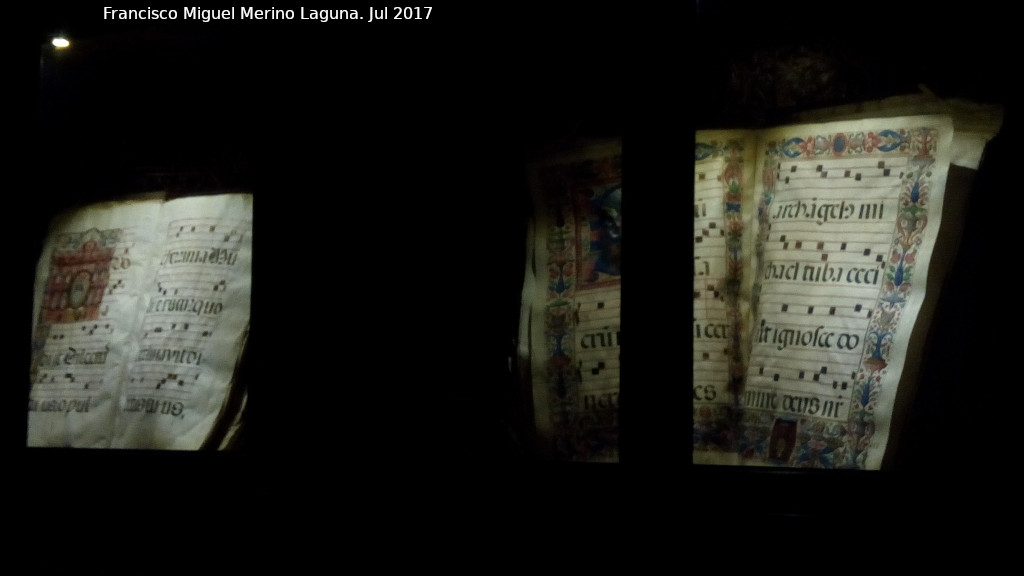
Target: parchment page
x: 847, y: 220
x: 576, y: 302
x: 193, y: 322
x: 87, y: 289
x: 724, y: 163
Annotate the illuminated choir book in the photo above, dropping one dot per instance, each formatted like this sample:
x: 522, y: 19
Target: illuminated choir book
x: 140, y: 319
x: 819, y: 251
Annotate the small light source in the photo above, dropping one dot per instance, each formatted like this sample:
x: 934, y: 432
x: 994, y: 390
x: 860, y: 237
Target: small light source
x: 61, y: 42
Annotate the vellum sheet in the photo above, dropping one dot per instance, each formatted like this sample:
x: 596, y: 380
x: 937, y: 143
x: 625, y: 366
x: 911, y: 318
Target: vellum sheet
x: 845, y: 220
x: 572, y: 302
x: 141, y: 311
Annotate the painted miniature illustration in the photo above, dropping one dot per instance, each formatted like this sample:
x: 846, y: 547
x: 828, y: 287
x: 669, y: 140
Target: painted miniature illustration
x: 601, y: 249
x: 79, y: 274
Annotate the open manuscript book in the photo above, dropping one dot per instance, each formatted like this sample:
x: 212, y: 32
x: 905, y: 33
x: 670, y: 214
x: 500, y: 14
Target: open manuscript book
x: 140, y: 317
x: 818, y: 253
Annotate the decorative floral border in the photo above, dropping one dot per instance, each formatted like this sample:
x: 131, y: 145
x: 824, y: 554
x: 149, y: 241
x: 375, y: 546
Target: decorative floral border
x: 713, y: 425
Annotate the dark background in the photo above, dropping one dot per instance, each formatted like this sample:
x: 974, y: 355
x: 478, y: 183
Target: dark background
x: 388, y: 168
